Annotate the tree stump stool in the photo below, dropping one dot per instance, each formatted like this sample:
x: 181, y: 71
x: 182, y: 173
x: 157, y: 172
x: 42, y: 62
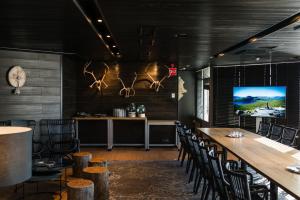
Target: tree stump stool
x: 80, y: 189
x: 81, y: 161
x: 99, y: 175
x: 97, y: 162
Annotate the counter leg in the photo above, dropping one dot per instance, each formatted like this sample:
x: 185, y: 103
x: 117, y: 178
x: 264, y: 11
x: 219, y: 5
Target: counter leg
x: 76, y: 129
x: 224, y: 155
x: 110, y: 134
x: 146, y: 136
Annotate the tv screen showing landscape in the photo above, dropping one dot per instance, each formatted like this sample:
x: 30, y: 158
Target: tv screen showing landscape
x: 260, y: 101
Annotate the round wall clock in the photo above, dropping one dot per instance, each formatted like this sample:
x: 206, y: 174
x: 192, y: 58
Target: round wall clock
x: 16, y: 78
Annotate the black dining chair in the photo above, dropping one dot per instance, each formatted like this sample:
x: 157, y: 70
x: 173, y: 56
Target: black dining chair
x: 5, y: 123
x: 240, y: 189
x: 264, y: 129
x: 289, y: 136
x: 62, y: 138
x: 221, y: 184
x: 208, y: 188
x: 179, y: 129
x: 276, y: 132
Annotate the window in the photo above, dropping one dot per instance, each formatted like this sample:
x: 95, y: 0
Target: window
x: 203, y: 81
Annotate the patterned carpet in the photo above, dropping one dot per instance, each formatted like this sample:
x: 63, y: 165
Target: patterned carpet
x: 134, y: 180
x: 149, y: 180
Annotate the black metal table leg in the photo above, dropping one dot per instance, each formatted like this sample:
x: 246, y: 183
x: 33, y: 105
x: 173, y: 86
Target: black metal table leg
x: 273, y: 191
x: 224, y: 155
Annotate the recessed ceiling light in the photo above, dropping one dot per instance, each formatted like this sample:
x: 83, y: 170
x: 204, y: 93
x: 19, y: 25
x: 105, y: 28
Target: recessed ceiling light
x: 118, y: 53
x: 114, y: 46
x: 258, y: 58
x: 108, y: 36
x: 99, y: 20
x: 253, y: 40
x: 221, y: 54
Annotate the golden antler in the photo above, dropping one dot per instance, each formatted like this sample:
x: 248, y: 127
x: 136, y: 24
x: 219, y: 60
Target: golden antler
x: 156, y: 83
x: 99, y: 83
x: 127, y: 91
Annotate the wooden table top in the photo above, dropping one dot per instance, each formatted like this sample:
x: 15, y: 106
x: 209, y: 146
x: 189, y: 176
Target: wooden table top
x: 161, y: 122
x: 268, y: 157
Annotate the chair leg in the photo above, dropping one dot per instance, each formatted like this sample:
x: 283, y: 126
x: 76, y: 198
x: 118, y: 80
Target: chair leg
x: 183, y: 157
x: 192, y: 172
x: 204, y: 189
x: 198, y: 182
x: 207, y: 192
x: 188, y: 165
x: 180, y: 152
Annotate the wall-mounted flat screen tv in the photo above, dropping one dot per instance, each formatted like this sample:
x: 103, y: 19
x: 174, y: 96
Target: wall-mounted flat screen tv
x: 261, y: 101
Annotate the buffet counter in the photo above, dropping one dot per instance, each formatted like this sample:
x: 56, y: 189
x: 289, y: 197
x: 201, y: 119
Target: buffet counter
x: 121, y: 131
x: 110, y: 130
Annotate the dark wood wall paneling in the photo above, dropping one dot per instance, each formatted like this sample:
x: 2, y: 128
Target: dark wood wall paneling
x: 158, y: 105
x: 41, y: 96
x: 71, y: 65
x: 186, y: 105
x: 226, y: 78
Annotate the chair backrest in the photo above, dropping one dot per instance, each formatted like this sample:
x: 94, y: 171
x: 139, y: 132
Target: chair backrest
x: 5, y: 123
x: 62, y: 130
x: 204, y: 153
x: 289, y: 136
x: 197, y: 153
x: 239, y: 186
x: 276, y: 132
x: 264, y: 129
x: 218, y: 175
x: 62, y: 136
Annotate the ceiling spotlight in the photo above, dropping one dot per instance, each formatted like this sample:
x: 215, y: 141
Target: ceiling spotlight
x: 118, y: 53
x: 258, y: 58
x: 99, y: 20
x: 253, y: 40
x: 221, y: 54
x: 114, y: 46
x: 108, y: 36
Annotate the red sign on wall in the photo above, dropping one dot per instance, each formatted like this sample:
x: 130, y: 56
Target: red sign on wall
x: 172, y: 71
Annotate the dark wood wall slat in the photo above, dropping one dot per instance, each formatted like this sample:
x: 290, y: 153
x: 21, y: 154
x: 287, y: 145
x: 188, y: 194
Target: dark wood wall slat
x: 40, y: 97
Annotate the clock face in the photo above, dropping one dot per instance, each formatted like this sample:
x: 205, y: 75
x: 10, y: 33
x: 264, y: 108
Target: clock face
x: 17, y: 76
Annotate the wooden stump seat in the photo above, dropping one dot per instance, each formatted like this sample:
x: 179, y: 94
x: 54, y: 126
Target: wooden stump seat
x: 81, y: 161
x: 98, y: 162
x: 99, y: 175
x: 80, y: 189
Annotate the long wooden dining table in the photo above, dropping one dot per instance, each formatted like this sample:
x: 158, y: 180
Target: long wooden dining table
x: 267, y: 157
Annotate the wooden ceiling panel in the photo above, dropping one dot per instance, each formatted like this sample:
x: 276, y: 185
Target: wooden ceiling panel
x: 211, y: 25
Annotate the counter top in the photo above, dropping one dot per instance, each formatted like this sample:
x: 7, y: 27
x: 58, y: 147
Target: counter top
x: 110, y: 118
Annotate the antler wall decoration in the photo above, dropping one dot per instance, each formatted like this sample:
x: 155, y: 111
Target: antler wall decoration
x: 98, y: 83
x: 127, y: 91
x: 156, y: 84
